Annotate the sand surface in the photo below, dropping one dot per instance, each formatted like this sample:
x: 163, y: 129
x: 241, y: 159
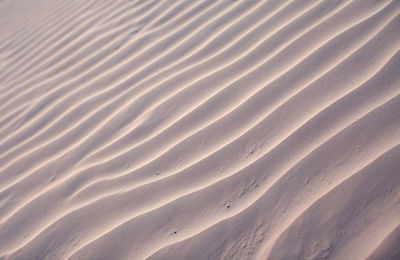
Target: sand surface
x: 207, y: 129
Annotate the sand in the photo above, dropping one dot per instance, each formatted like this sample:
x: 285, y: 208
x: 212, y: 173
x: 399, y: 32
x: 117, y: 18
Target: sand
x: 229, y: 129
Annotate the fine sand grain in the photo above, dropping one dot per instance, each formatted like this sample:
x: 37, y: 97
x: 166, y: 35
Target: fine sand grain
x: 207, y: 129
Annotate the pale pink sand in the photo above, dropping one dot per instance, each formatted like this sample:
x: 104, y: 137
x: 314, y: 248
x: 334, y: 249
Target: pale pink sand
x: 166, y: 129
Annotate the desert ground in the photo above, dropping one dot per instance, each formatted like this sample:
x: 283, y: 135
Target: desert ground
x: 200, y: 129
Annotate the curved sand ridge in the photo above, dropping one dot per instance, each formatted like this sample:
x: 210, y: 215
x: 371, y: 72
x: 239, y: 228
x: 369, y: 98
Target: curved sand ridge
x: 206, y: 129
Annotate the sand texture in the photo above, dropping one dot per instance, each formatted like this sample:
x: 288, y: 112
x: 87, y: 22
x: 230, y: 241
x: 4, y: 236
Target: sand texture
x: 199, y: 129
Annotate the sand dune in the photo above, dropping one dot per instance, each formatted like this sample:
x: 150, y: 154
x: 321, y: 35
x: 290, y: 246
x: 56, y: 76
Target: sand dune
x: 230, y: 129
